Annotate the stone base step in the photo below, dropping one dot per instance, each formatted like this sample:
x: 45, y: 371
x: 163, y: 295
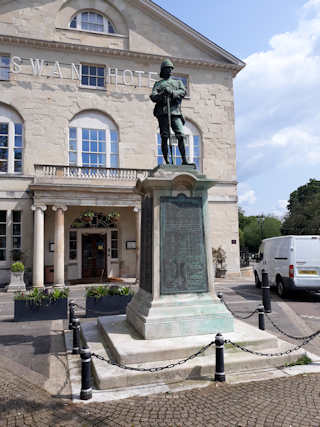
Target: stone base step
x: 109, y: 377
x: 127, y: 346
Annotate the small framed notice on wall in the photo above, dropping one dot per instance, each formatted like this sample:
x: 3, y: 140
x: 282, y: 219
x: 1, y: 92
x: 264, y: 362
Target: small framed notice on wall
x: 131, y: 244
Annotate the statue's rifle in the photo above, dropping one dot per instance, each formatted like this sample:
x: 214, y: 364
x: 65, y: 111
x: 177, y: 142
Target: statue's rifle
x: 169, y: 126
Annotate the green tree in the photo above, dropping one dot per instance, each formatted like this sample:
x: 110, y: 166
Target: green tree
x: 303, y: 210
x: 256, y: 228
x: 243, y: 219
x: 252, y: 235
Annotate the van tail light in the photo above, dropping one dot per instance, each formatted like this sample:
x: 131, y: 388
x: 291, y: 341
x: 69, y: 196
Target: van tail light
x: 291, y: 271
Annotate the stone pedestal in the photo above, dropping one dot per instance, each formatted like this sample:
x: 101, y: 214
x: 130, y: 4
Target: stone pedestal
x: 16, y: 282
x: 176, y: 296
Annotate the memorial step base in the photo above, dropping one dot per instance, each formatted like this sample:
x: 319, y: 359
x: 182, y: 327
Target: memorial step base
x: 108, y: 377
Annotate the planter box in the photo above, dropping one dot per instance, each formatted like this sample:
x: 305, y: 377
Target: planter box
x: 108, y: 305
x: 24, y: 311
x: 220, y: 273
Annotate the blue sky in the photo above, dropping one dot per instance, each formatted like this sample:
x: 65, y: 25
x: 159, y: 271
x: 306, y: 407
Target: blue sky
x: 277, y: 119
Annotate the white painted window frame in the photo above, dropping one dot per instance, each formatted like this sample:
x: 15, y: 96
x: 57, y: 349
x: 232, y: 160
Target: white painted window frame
x: 106, y: 22
x: 89, y: 86
x: 6, y: 248
x: 16, y: 235
x: 85, y: 123
x: 11, y: 146
x: 190, y: 130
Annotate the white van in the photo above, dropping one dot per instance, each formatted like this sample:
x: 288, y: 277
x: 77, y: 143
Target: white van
x: 292, y: 263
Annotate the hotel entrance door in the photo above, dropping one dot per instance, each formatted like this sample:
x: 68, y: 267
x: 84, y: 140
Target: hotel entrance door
x: 94, y: 256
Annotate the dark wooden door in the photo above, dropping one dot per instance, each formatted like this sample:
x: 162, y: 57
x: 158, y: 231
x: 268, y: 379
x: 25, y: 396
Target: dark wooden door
x: 93, y: 255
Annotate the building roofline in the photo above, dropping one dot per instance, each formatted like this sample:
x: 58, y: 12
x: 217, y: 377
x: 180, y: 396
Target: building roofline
x: 191, y: 32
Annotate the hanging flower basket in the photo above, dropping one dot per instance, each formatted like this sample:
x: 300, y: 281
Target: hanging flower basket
x: 86, y: 219
x: 88, y: 216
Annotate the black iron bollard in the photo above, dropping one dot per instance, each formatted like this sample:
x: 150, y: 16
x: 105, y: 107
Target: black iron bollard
x: 76, y: 336
x: 86, y: 390
x: 261, y: 317
x: 71, y: 314
x: 219, y: 375
x: 220, y: 295
x: 266, y: 299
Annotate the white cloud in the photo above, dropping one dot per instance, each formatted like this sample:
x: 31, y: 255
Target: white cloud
x: 246, y: 195
x: 281, y: 209
x: 277, y: 120
x: 283, y: 204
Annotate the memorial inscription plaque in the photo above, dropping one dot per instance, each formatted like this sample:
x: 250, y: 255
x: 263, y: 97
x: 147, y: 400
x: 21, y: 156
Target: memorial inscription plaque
x: 146, y: 244
x: 183, y: 265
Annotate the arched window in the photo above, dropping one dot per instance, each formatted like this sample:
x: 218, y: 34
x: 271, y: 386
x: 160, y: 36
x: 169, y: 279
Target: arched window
x: 93, y: 141
x: 92, y: 21
x: 11, y: 140
x: 192, y: 143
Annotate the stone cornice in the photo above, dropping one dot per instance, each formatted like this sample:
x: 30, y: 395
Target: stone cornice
x: 105, y: 51
x: 82, y: 187
x: 193, y: 34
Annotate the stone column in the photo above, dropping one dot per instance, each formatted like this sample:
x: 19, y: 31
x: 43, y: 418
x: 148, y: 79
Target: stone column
x: 59, y: 245
x: 38, y: 246
x: 137, y: 211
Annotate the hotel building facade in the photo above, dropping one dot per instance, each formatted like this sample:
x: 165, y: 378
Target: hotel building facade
x: 77, y: 131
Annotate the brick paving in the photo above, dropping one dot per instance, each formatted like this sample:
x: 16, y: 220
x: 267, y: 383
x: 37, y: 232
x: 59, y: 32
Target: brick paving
x: 292, y: 401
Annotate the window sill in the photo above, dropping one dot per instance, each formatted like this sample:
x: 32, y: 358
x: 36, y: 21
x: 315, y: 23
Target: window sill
x: 5, y: 175
x: 95, y: 33
x: 92, y: 87
x: 4, y: 265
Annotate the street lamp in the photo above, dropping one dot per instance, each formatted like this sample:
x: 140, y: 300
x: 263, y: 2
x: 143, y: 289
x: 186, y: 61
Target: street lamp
x: 260, y: 219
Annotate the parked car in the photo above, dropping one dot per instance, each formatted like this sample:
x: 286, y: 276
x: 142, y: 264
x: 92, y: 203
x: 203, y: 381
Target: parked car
x: 292, y: 263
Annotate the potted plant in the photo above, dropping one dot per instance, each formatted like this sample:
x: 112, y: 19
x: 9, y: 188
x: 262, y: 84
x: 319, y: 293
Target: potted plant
x: 16, y: 278
x: 107, y: 300
x: 40, y: 304
x: 88, y: 215
x: 113, y: 218
x: 219, y: 261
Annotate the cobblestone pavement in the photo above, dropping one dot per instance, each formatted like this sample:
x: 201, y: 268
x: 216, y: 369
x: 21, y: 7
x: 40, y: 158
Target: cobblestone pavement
x: 292, y: 401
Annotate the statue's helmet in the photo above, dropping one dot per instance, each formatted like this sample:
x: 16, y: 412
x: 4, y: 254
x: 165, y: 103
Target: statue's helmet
x: 166, y: 63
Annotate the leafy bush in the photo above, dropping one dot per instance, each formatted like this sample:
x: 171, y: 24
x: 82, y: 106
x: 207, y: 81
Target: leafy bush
x: 102, y: 291
x: 17, y: 267
x: 303, y: 360
x: 42, y: 296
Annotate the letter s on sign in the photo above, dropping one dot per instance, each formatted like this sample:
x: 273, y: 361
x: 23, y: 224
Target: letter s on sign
x: 16, y: 64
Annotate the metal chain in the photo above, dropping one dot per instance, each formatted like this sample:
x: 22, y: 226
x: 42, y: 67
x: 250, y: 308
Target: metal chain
x: 237, y: 315
x: 286, y: 334
x: 156, y: 369
x: 283, y: 353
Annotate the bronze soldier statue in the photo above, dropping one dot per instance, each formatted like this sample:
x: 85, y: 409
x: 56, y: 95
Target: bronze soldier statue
x: 168, y: 93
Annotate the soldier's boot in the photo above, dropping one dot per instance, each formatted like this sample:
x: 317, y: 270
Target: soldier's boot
x: 164, y: 148
x: 182, y: 150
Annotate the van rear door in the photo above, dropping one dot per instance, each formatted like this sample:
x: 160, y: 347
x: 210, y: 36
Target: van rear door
x: 307, y: 262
